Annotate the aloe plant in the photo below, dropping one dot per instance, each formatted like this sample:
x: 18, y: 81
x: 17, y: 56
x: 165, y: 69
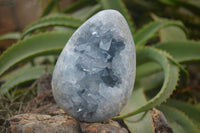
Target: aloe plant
x: 185, y: 10
x: 163, y: 49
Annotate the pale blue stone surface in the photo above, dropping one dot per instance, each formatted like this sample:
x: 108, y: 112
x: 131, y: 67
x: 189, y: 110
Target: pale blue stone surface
x: 94, y: 75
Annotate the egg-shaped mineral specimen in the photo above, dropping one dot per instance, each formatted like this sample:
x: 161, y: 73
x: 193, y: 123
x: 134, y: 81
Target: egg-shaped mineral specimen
x: 94, y: 75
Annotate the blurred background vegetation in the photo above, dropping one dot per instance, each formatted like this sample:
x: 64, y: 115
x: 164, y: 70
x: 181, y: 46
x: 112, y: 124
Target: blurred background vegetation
x: 15, y: 15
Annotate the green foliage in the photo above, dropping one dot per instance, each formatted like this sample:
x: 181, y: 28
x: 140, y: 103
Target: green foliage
x: 79, y: 4
x: 185, y: 10
x: 13, y: 35
x: 182, y: 51
x: 170, y: 33
x: 148, y: 31
x: 193, y: 5
x: 191, y: 111
x: 179, y: 122
x: 49, y: 7
x: 41, y: 44
x: 160, y: 66
x: 149, y: 54
x: 22, y: 76
x: 140, y: 123
x: 53, y: 20
x: 87, y: 12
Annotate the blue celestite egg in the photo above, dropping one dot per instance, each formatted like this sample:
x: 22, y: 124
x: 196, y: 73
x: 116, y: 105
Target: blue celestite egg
x: 94, y: 75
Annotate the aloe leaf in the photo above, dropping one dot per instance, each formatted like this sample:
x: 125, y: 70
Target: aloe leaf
x: 16, y: 71
x: 198, y: 106
x: 140, y: 123
x: 193, y: 5
x: 191, y: 111
x: 119, y: 5
x: 79, y: 4
x: 49, y: 7
x: 41, y: 44
x: 12, y: 35
x: 149, y: 76
x: 168, y: 2
x: 142, y: 36
x: 152, y: 84
x: 182, y: 51
x: 23, y: 76
x: 87, y: 12
x: 53, y: 20
x: 177, y: 120
x: 147, y: 69
x: 63, y: 29
x: 172, y: 33
x: 171, y: 74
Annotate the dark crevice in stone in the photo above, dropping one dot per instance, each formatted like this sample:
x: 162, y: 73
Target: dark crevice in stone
x: 87, y: 111
x: 81, y: 92
x: 109, y: 78
x: 116, y: 47
x: 88, y: 106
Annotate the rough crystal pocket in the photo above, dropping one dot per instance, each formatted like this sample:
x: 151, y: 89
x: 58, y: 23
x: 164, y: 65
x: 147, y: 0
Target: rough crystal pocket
x: 94, y: 75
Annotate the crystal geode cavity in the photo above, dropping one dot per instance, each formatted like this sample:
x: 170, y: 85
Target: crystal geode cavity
x: 94, y: 75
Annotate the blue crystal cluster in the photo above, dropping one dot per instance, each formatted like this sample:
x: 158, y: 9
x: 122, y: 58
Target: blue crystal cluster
x: 94, y: 74
x: 97, y: 49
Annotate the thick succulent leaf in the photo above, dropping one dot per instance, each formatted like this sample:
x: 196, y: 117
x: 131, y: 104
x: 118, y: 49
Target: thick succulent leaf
x: 140, y: 123
x: 87, y: 12
x: 190, y: 110
x: 119, y: 5
x: 177, y: 120
x: 152, y: 84
x: 147, y: 69
x: 45, y: 43
x: 184, y: 72
x: 63, y: 29
x: 150, y: 74
x: 53, y: 20
x: 23, y: 76
x: 142, y: 36
x: 12, y: 35
x: 182, y: 51
x: 192, y: 5
x: 49, y: 7
x: 14, y: 72
x: 78, y: 5
x: 152, y: 77
x: 172, y: 33
x: 198, y: 106
x: 171, y: 74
